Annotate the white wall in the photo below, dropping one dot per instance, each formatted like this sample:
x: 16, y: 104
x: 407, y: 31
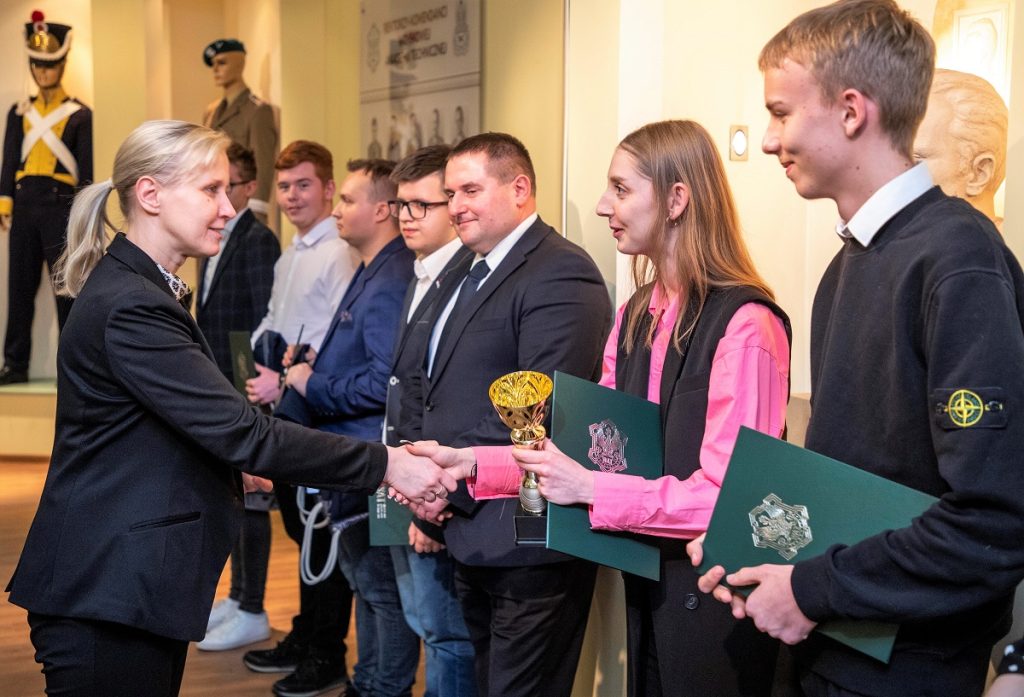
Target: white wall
x: 16, y: 84
x: 256, y: 23
x: 1013, y: 225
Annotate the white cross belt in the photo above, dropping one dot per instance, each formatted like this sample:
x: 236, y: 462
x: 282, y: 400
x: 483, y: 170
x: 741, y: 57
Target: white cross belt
x: 42, y: 129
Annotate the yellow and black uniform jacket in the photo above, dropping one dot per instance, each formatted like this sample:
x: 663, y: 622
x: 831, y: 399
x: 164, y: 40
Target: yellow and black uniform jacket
x: 75, y: 131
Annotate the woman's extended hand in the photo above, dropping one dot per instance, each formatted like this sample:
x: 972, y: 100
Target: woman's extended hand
x: 457, y: 461
x: 561, y: 479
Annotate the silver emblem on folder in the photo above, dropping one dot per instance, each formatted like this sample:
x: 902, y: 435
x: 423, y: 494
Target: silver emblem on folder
x: 779, y: 526
x: 608, y: 446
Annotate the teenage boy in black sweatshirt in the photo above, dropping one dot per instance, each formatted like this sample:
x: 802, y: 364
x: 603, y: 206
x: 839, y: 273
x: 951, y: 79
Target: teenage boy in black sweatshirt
x: 917, y: 369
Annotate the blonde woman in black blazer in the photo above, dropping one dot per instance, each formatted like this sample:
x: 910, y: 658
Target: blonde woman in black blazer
x: 143, y: 499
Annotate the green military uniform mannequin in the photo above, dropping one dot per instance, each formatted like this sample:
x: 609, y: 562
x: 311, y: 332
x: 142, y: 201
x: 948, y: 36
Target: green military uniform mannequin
x: 244, y: 117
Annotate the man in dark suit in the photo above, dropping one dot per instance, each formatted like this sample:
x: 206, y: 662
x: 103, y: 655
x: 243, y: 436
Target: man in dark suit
x: 234, y: 286
x: 342, y: 389
x: 234, y: 289
x: 532, y: 301
x: 424, y: 570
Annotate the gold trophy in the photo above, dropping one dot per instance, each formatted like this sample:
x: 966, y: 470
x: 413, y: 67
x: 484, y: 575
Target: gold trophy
x: 521, y: 398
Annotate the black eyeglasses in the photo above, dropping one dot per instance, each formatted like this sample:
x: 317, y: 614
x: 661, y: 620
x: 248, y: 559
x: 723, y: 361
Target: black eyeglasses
x: 417, y: 209
x: 232, y: 185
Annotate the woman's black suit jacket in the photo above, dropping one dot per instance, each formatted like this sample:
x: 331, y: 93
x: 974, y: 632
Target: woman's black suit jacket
x: 143, y: 500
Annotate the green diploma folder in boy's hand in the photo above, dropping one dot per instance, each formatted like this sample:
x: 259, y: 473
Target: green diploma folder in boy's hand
x: 781, y: 504
x: 389, y: 520
x: 242, y: 363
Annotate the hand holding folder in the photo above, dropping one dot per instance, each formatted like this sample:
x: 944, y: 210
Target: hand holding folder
x: 782, y: 504
x: 773, y: 608
x: 579, y: 414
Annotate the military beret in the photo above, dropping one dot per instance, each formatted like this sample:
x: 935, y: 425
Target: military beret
x: 221, y: 46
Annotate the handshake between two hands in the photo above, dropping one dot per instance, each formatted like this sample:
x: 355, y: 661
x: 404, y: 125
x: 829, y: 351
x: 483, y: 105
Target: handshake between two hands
x: 561, y: 479
x: 447, y: 465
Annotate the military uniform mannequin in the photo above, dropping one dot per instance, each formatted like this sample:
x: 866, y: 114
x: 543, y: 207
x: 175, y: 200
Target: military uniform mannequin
x: 244, y: 117
x: 47, y: 156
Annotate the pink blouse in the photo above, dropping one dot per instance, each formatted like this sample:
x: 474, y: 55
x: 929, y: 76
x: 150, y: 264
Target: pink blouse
x: 748, y: 386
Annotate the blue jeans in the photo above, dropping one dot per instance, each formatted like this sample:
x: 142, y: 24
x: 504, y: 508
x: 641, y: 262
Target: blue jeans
x: 426, y: 583
x: 388, y: 649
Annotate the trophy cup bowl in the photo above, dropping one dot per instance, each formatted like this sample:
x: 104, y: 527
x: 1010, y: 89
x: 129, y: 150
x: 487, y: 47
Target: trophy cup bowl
x: 520, y: 398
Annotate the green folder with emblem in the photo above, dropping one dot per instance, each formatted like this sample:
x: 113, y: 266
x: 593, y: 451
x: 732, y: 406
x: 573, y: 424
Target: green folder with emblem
x: 242, y: 364
x: 604, y: 429
x: 781, y: 504
x: 389, y: 520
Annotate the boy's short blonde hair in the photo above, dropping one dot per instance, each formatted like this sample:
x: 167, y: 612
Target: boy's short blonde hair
x: 872, y: 46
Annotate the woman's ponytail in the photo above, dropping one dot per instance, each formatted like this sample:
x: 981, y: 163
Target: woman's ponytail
x: 87, y: 238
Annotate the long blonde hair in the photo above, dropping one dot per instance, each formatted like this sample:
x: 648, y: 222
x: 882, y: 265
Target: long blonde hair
x: 168, y: 151
x: 709, y: 251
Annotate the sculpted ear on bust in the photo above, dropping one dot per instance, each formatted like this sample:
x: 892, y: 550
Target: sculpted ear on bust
x: 982, y: 168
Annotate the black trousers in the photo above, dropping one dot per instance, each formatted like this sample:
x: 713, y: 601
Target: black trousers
x: 250, y: 560
x: 91, y: 658
x: 526, y: 624
x: 38, y: 233
x: 326, y: 608
x: 682, y: 642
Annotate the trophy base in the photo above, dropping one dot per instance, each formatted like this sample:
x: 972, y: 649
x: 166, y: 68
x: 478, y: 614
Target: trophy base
x: 531, y: 530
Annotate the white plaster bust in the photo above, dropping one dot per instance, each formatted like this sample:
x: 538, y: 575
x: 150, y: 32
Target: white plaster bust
x: 963, y: 138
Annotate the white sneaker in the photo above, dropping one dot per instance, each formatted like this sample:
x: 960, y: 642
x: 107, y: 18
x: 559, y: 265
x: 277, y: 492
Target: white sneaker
x: 222, y: 611
x: 240, y: 629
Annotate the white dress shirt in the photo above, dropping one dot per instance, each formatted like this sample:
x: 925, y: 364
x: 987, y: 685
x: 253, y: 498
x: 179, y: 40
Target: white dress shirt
x: 310, y: 279
x: 885, y: 203
x: 428, y: 269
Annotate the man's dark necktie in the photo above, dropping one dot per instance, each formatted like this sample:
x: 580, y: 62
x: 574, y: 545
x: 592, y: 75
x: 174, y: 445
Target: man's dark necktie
x: 218, y: 113
x: 466, y: 293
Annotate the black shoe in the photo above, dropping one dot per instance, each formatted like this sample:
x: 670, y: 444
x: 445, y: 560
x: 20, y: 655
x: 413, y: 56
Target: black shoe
x: 10, y: 376
x: 283, y: 658
x: 314, y: 676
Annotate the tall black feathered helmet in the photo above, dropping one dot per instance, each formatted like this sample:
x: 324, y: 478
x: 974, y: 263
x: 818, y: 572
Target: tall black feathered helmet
x: 45, y: 42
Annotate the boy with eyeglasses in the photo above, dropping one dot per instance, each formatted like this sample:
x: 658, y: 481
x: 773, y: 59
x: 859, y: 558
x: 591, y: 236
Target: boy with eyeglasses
x: 424, y: 569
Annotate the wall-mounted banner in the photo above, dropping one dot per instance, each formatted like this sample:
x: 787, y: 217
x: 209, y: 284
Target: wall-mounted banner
x: 420, y: 74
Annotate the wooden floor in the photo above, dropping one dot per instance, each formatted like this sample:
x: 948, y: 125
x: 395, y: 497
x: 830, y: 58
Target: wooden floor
x: 219, y: 674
